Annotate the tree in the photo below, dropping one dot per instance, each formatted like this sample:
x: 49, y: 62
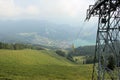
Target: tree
x: 61, y: 53
x: 70, y: 57
x: 111, y: 62
x: 1, y: 45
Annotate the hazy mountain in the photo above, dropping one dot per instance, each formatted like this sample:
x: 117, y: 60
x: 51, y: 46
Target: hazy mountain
x: 37, y: 32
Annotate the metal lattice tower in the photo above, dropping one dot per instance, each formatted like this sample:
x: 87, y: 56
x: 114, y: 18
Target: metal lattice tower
x: 108, y: 38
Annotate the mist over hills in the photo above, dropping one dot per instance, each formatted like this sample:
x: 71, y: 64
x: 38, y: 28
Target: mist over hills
x: 37, y: 32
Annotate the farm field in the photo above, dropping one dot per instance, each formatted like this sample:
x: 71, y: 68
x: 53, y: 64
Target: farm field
x: 40, y: 65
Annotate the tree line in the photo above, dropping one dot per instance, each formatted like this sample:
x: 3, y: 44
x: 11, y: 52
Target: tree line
x: 19, y: 46
x: 63, y: 54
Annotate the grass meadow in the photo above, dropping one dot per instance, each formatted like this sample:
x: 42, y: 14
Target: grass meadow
x: 40, y: 65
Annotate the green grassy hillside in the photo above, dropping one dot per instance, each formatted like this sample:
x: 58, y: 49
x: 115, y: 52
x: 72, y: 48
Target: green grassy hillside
x: 39, y: 65
x: 31, y: 57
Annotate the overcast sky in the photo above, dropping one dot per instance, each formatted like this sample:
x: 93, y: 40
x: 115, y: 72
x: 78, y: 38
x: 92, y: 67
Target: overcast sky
x: 71, y: 12
x: 66, y: 11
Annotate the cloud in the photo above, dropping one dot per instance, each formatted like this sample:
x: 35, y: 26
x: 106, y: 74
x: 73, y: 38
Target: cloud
x: 33, y: 10
x: 9, y: 10
x: 49, y: 9
x: 72, y: 12
x: 64, y: 8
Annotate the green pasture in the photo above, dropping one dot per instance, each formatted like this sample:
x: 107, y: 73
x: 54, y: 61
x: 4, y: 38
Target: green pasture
x: 40, y: 65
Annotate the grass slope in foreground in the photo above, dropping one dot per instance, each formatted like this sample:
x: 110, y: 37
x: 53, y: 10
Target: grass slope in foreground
x: 39, y: 65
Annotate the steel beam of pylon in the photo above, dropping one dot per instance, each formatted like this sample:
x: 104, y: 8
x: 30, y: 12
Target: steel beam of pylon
x: 108, y: 38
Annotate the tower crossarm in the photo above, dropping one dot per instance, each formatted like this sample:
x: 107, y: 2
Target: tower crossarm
x: 99, y: 5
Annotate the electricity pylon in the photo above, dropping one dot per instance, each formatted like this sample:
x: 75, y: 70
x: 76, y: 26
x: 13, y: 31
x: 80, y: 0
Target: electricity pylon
x: 107, y: 40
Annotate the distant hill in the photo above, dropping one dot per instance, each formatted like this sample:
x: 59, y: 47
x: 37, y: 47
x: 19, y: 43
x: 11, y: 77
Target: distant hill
x: 37, y: 32
x: 83, y: 51
x: 90, y: 50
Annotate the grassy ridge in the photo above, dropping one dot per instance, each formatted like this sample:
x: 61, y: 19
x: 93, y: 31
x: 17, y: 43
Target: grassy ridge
x: 39, y: 65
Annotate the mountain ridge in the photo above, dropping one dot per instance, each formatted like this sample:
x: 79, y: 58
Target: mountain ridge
x: 37, y: 32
